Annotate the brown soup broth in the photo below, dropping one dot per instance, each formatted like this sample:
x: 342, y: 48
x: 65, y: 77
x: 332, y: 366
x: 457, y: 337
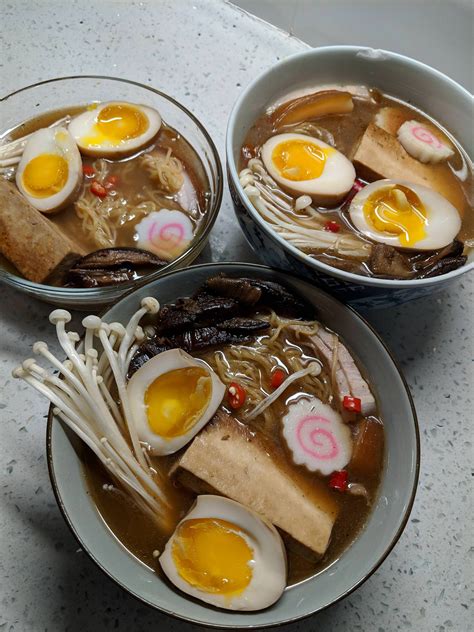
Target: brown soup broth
x: 134, y: 185
x: 141, y: 537
x: 347, y: 131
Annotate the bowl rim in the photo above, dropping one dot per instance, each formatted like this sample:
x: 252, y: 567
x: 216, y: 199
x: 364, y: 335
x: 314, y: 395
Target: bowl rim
x: 197, y: 243
x: 389, y: 547
x: 319, y: 266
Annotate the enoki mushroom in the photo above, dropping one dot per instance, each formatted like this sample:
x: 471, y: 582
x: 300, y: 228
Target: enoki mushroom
x: 11, y: 153
x: 313, y: 369
x: 295, y: 220
x: 82, y: 396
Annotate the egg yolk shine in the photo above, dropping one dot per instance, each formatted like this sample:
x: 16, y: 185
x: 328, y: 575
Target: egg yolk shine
x: 45, y: 175
x: 399, y: 211
x: 176, y: 400
x: 298, y: 159
x: 117, y: 123
x: 212, y: 555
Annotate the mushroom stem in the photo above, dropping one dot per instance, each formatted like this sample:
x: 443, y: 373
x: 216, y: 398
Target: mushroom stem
x: 111, y: 403
x: 58, y: 401
x: 15, y: 147
x: 313, y: 368
x: 148, y: 305
x: 123, y: 396
x: 82, y: 398
x: 295, y: 220
x: 124, y: 466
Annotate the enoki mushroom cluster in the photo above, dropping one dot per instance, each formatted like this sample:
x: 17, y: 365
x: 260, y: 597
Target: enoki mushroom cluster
x: 83, y: 393
x: 295, y: 220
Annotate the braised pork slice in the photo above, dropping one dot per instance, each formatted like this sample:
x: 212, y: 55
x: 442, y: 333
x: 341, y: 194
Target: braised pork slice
x: 235, y: 461
x: 348, y: 378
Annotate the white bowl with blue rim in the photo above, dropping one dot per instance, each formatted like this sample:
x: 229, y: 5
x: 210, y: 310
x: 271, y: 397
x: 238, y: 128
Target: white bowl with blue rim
x: 399, y: 76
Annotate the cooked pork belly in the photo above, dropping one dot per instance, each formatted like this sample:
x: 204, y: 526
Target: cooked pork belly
x: 348, y: 378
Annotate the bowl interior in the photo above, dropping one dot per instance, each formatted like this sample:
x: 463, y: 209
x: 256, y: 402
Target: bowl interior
x: 72, y: 91
x: 358, y: 561
x: 401, y: 77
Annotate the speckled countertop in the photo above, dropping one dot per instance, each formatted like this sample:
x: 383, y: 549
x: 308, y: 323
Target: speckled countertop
x: 202, y: 54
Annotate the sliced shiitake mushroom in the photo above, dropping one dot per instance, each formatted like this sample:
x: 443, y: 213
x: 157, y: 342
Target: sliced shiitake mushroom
x: 111, y: 266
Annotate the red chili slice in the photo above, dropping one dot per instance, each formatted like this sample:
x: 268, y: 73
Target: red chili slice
x: 339, y: 480
x: 88, y: 171
x: 111, y: 182
x: 352, y: 404
x: 332, y: 226
x: 98, y: 189
x: 358, y: 186
x: 278, y: 377
x: 236, y: 395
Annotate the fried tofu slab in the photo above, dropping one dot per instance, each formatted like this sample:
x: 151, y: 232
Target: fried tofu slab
x: 229, y: 458
x: 35, y: 246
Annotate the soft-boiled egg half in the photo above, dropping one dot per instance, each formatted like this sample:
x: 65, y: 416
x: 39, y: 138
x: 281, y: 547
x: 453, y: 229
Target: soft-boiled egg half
x: 49, y: 174
x: 115, y: 129
x: 404, y: 215
x: 301, y: 164
x: 172, y: 396
x: 226, y: 555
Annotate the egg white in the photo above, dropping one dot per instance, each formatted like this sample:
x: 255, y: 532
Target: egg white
x: 444, y: 221
x: 332, y: 185
x: 56, y: 141
x: 141, y: 380
x: 82, y: 127
x: 268, y: 579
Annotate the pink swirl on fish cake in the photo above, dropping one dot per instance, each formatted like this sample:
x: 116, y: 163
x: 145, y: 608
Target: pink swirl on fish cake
x: 425, y: 136
x: 172, y: 232
x: 316, y: 440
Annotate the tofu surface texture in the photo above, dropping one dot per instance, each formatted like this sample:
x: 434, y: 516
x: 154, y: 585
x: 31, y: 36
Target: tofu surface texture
x: 236, y: 462
x: 30, y: 241
x: 379, y: 155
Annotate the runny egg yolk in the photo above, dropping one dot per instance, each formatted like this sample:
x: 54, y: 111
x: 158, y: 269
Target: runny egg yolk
x: 45, y: 175
x: 176, y: 400
x: 399, y: 211
x: 212, y: 555
x: 117, y: 123
x: 298, y: 159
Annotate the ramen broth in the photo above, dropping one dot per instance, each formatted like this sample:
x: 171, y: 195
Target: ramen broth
x: 140, y: 535
x: 344, y: 132
x: 135, y: 194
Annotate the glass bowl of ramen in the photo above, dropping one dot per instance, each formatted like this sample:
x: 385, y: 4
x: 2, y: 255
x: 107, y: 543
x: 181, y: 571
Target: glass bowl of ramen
x: 242, y: 453
x: 103, y: 181
x: 353, y: 167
